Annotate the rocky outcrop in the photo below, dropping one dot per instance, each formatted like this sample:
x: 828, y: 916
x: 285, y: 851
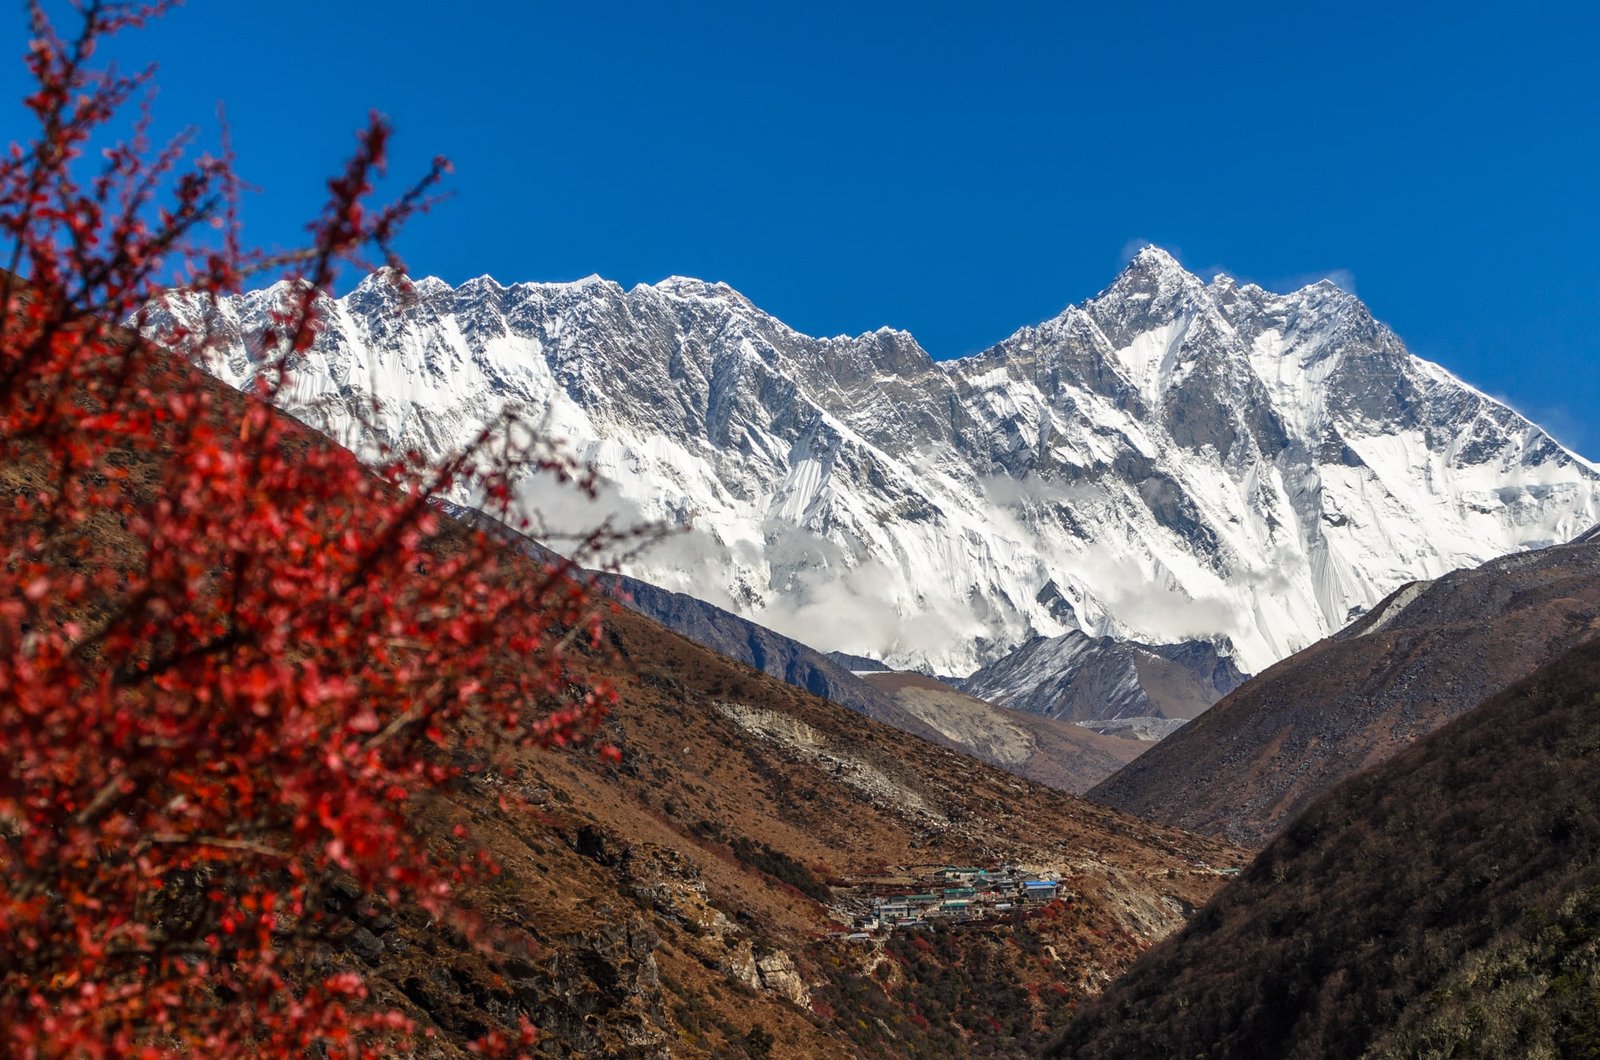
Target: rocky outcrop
x: 778, y: 974
x: 597, y: 992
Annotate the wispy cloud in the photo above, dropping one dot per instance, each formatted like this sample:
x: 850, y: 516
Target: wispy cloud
x: 1568, y: 427
x: 1343, y: 279
x: 1147, y: 598
x: 1133, y: 246
x: 835, y: 602
x: 1560, y: 422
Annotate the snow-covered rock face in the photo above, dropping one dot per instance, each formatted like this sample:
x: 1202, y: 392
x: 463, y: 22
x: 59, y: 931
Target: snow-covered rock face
x: 1083, y: 679
x: 1170, y: 460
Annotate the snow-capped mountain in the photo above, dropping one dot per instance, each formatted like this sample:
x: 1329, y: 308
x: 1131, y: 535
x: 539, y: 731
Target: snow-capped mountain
x: 1170, y: 460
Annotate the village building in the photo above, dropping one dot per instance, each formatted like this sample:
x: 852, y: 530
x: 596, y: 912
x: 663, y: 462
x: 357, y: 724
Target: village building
x: 1040, y: 890
x: 955, y: 893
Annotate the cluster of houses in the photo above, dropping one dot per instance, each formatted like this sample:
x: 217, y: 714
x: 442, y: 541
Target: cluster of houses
x: 959, y: 893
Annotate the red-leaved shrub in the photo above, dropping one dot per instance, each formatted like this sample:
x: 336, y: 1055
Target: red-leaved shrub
x: 232, y: 659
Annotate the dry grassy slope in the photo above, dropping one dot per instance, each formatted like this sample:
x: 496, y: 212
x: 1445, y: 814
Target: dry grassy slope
x: 1445, y: 904
x: 1048, y: 750
x: 715, y: 751
x: 652, y: 907
x: 1247, y: 766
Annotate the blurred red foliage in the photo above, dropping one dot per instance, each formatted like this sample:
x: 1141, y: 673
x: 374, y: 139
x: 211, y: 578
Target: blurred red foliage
x: 232, y: 658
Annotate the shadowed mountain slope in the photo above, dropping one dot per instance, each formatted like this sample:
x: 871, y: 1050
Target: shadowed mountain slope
x: 744, y: 641
x: 1445, y: 904
x: 1428, y: 653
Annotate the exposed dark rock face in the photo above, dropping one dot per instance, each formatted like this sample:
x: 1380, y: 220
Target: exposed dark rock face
x: 593, y: 993
x: 1089, y: 679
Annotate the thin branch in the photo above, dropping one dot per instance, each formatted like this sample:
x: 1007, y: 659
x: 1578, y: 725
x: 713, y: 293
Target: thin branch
x: 221, y: 842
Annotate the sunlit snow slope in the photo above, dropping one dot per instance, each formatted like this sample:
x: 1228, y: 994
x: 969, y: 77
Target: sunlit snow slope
x: 1169, y: 460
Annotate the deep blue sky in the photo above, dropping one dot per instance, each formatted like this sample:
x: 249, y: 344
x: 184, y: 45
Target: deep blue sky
x: 961, y: 169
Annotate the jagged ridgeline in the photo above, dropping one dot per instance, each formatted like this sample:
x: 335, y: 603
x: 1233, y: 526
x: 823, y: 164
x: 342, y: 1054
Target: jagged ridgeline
x: 1172, y: 460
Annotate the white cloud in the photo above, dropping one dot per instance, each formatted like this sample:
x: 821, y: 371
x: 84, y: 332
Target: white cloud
x: 1151, y: 601
x: 837, y: 602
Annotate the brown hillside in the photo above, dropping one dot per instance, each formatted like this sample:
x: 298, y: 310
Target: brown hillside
x: 1446, y: 904
x: 1428, y: 653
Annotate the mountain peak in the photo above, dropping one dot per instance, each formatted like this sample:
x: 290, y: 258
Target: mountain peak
x: 1153, y: 270
x: 1151, y: 288
x: 692, y: 287
x: 386, y: 280
x: 1152, y: 257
